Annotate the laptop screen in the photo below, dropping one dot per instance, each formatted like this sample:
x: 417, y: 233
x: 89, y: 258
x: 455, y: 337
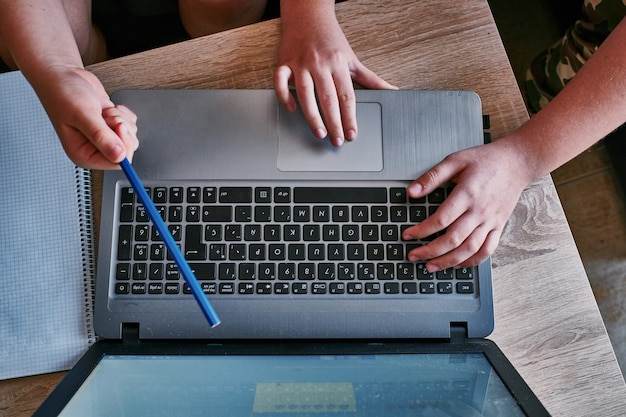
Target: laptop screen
x: 438, y: 384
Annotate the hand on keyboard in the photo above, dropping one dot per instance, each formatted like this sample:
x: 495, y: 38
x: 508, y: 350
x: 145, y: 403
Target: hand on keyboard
x: 476, y: 211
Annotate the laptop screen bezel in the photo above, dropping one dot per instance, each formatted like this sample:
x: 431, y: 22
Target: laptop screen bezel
x: 67, y: 388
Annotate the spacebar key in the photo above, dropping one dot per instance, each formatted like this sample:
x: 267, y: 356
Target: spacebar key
x: 340, y: 195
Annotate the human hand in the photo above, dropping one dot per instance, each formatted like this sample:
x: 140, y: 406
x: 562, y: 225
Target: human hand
x: 94, y: 132
x: 489, y: 180
x: 316, y: 57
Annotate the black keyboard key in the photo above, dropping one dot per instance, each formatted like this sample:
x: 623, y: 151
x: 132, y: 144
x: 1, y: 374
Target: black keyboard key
x: 194, y: 195
x: 341, y: 214
x: 360, y: 214
x: 409, y: 288
x: 321, y: 214
x: 281, y: 288
x: 142, y: 233
x: 282, y: 195
x: 209, y: 195
x: 160, y: 195
x: 247, y: 271
x: 319, y: 288
x: 192, y: 214
x: 176, y: 195
x: 397, y: 195
x: 336, y: 252
x: 155, y: 272
x: 246, y: 288
x: 306, y: 271
x: 213, y: 233
x: 175, y: 213
x: 391, y: 287
x: 235, y: 195
x: 299, y: 288
x: 138, y: 288
x: 287, y: 271
x: 379, y: 214
x: 345, y: 271
x: 437, y: 196
x: 337, y: 288
x: 444, y: 287
x: 385, y: 271
x: 127, y: 195
x: 172, y: 288
x: 227, y: 271
x: 264, y: 288
x: 140, y: 252
x: 267, y: 271
x: 326, y: 271
x: 365, y: 271
x: 122, y: 271
x: 398, y: 214
x: 372, y: 288
x: 296, y: 252
x: 217, y: 214
x: 194, y: 248
x: 243, y: 214
x: 282, y: 214
x: 340, y: 195
x: 124, y: 240
x: 262, y: 195
x: 427, y: 287
x: 465, y: 288
x: 217, y: 251
x: 375, y: 252
x: 355, y: 288
x: 311, y: 233
x: 155, y: 288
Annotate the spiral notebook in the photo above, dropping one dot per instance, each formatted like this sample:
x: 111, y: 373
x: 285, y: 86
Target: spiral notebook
x: 46, y: 250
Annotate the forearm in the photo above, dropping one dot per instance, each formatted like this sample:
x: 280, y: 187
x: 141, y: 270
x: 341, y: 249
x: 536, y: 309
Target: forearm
x: 38, y: 36
x: 591, y: 106
x: 300, y: 15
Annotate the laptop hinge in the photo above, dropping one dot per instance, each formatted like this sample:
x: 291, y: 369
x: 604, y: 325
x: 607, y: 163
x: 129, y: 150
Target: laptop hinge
x: 130, y: 333
x: 458, y: 332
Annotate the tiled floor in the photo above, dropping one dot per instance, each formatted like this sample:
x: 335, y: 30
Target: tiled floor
x: 591, y: 196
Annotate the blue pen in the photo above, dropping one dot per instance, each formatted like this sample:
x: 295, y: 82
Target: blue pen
x: 158, y: 222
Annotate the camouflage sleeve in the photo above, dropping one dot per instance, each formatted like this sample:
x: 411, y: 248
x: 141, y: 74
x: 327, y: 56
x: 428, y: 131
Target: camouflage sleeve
x: 553, y: 68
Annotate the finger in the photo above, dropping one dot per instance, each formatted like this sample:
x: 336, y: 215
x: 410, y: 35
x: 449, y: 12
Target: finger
x: 464, y: 257
x: 488, y: 248
x: 450, y: 211
x: 305, y: 89
x: 123, y: 124
x: 128, y: 138
x: 433, y: 178
x: 282, y: 77
x: 368, y: 79
x: 461, y: 241
x: 109, y: 144
x: 329, y: 103
x: 113, y: 115
x: 347, y: 105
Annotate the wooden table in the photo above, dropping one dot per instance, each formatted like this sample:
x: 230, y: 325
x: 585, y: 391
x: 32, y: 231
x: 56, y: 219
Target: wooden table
x: 547, y: 321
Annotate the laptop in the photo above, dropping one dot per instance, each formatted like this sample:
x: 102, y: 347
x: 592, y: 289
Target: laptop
x: 297, y: 245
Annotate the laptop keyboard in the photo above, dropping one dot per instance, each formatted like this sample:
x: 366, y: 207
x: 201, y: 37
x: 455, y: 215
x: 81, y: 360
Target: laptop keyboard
x: 278, y: 240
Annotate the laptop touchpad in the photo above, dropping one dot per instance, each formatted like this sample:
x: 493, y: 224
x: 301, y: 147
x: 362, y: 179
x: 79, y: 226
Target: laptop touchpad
x: 300, y: 150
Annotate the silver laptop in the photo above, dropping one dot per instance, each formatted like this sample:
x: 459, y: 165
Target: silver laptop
x: 289, y: 236
x: 297, y: 246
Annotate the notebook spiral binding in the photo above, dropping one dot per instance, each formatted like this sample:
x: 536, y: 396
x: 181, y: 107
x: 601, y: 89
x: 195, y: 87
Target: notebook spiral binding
x: 85, y: 214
